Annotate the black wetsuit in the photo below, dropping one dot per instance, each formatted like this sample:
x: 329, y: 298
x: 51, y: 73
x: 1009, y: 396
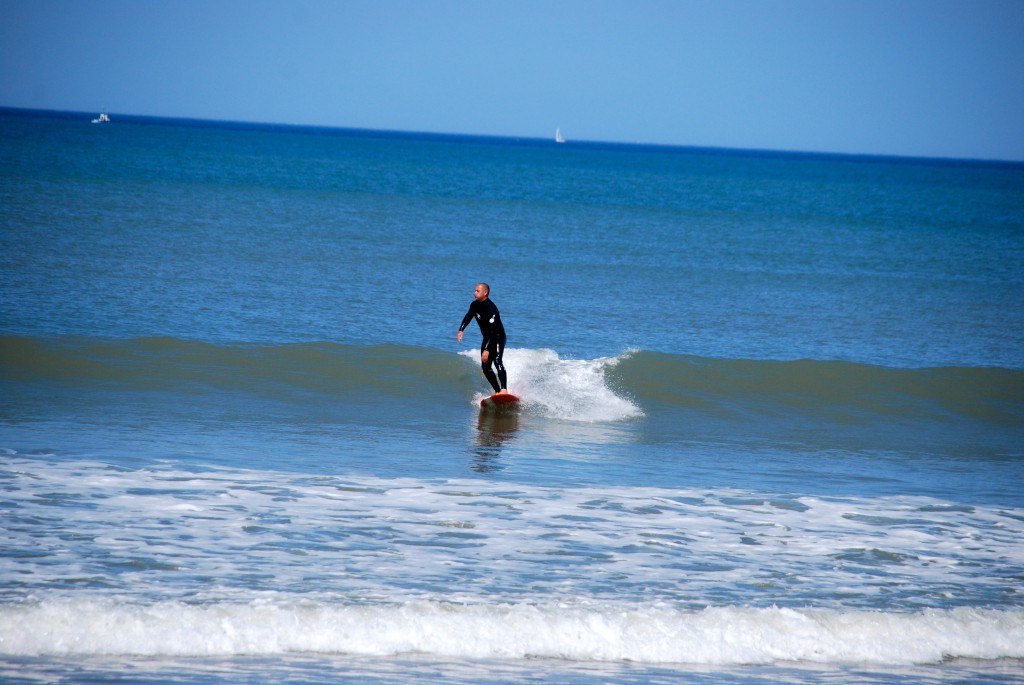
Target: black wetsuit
x: 486, y: 314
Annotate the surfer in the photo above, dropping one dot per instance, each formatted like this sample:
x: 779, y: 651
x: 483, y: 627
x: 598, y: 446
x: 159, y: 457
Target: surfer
x: 493, y: 345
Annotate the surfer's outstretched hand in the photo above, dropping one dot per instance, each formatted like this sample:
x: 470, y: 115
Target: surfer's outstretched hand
x: 459, y: 336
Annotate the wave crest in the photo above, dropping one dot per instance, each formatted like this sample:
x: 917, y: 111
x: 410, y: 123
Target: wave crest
x: 717, y: 635
x: 629, y: 386
x: 567, y: 389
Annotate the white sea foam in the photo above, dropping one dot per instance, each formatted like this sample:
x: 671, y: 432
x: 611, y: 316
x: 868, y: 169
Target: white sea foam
x: 725, y: 635
x: 566, y: 389
x: 84, y: 529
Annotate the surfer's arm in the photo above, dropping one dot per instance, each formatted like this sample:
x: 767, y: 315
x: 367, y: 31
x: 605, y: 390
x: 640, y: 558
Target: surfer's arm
x: 485, y: 346
x: 465, y: 322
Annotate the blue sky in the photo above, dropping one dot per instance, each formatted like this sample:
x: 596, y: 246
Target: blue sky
x: 934, y: 78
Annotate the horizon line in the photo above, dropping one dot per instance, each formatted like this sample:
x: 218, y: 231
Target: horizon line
x: 153, y: 119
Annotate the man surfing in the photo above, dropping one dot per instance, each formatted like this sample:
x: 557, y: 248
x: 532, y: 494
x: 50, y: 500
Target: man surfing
x: 493, y: 345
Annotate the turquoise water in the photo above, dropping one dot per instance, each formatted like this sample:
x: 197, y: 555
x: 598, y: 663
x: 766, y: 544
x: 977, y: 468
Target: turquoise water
x: 772, y: 410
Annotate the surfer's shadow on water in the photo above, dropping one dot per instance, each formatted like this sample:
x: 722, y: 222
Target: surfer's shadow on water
x: 493, y: 431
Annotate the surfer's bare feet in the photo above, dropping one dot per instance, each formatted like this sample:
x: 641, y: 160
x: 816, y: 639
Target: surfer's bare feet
x: 503, y: 391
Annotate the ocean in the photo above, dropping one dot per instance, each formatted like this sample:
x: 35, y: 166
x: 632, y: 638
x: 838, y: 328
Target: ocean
x: 771, y: 429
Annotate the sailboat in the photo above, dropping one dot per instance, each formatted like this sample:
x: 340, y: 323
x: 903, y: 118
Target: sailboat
x: 101, y: 119
x: 558, y: 136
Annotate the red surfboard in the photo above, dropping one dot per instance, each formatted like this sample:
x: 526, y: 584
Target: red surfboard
x: 503, y: 399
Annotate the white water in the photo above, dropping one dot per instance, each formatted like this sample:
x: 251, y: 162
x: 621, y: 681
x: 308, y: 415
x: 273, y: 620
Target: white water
x: 564, y: 389
x: 156, y: 533
x: 103, y: 560
x: 720, y: 636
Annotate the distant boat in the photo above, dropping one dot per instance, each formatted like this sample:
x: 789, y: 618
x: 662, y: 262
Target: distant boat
x: 101, y: 119
x: 558, y: 136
